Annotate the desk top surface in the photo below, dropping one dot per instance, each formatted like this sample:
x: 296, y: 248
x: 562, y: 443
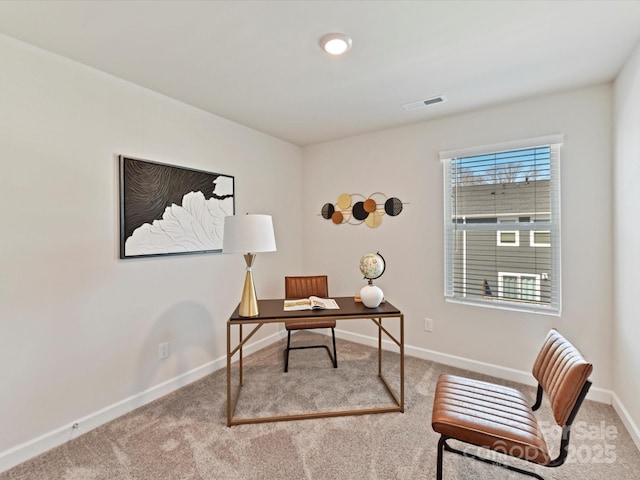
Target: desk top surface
x: 274, y: 309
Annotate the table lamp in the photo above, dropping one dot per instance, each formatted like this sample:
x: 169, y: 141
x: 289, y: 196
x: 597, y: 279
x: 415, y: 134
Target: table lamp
x: 248, y: 234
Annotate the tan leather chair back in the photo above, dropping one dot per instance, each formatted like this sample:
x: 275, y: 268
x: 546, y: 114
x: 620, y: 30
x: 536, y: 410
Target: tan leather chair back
x: 562, y: 372
x: 303, y: 287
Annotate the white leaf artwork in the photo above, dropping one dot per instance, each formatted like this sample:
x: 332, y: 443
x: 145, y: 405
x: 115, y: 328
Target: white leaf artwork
x: 195, y: 225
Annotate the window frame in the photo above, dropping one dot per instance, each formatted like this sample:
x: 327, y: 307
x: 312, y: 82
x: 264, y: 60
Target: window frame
x: 552, y: 225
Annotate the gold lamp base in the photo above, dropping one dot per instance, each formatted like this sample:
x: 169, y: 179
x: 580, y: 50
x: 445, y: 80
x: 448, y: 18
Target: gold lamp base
x: 249, y: 302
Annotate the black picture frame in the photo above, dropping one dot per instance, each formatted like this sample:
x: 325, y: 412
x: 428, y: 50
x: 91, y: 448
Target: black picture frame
x: 171, y: 210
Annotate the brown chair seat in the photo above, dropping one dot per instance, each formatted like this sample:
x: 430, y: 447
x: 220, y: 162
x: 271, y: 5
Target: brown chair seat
x: 488, y: 415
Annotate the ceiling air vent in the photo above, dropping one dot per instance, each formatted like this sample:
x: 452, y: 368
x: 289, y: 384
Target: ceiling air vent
x: 424, y: 103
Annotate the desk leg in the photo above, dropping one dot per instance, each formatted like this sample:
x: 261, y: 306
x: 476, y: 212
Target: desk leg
x: 400, y: 343
x: 379, y: 322
x: 228, y: 374
x: 402, y: 363
x: 232, y: 399
x: 231, y: 405
x: 240, y: 355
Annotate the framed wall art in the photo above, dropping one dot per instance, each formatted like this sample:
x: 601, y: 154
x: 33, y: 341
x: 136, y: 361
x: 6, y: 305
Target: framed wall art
x: 170, y: 210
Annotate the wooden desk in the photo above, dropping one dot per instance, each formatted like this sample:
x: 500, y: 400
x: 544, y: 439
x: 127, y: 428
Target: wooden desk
x: 271, y: 311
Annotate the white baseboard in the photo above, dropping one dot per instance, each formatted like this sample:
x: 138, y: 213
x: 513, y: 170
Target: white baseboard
x: 632, y: 428
x: 595, y: 394
x: 20, y: 453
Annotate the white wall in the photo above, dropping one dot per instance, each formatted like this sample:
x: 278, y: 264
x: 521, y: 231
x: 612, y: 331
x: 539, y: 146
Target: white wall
x: 403, y: 163
x: 79, y: 328
x: 627, y: 238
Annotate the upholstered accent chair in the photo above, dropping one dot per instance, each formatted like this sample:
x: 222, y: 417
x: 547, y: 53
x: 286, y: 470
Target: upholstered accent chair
x: 303, y: 287
x: 499, y: 418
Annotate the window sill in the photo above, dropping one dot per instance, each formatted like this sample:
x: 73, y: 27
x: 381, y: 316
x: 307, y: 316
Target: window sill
x: 515, y: 306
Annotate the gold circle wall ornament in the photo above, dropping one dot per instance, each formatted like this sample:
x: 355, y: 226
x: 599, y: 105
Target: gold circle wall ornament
x: 344, y: 201
x: 374, y: 219
x: 354, y: 196
x: 378, y: 197
x: 337, y: 217
x: 354, y: 221
x: 355, y: 215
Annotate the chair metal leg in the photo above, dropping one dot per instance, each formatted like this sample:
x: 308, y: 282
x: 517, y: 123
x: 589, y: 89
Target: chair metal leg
x: 443, y: 445
x: 286, y: 360
x: 333, y: 358
x: 335, y: 354
x: 439, y: 461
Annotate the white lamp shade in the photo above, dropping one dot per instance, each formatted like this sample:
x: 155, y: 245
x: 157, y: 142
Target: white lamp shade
x: 249, y: 233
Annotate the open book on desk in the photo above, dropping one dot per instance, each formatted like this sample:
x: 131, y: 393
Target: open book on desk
x: 311, y: 303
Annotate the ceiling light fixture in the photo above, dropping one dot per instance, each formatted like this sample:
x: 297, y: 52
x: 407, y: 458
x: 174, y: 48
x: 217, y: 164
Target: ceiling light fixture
x: 336, y: 43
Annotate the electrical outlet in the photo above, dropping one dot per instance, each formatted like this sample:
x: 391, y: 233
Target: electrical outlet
x: 428, y: 324
x: 163, y: 350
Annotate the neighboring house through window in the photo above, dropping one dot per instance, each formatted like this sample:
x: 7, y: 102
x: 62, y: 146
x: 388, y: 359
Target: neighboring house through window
x: 502, y: 225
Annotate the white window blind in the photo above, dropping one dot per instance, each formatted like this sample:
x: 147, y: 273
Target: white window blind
x: 502, y: 214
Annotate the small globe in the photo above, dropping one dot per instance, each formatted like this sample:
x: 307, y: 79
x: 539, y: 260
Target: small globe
x: 372, y: 265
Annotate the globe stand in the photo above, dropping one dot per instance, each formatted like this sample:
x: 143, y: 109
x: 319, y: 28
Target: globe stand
x: 372, y: 266
x: 371, y: 295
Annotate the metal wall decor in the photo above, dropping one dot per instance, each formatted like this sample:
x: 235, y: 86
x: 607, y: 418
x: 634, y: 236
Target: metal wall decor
x: 165, y: 209
x: 355, y: 209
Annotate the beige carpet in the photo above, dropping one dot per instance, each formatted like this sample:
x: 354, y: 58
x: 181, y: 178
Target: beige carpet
x: 184, y: 435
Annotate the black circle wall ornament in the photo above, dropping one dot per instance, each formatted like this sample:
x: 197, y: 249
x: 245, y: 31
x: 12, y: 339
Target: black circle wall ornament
x: 393, y: 206
x: 359, y: 213
x: 327, y: 211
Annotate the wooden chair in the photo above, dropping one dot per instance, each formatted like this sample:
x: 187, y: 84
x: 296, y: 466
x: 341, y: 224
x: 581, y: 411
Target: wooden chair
x: 303, y: 287
x: 499, y: 418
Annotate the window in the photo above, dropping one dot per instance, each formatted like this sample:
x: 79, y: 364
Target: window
x: 508, y: 238
x: 540, y: 238
x: 493, y: 196
x: 519, y: 287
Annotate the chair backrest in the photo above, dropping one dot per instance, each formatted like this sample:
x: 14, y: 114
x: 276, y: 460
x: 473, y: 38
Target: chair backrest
x: 562, y: 373
x: 303, y: 287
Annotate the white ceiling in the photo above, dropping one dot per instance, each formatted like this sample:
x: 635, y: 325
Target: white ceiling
x: 258, y: 62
